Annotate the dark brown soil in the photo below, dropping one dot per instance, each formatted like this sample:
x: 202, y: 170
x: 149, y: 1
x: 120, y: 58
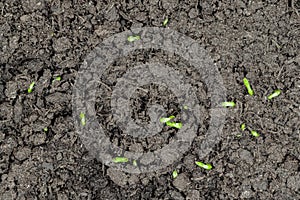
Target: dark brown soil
x: 43, y: 39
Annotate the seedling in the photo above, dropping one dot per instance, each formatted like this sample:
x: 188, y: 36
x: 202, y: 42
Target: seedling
x: 165, y: 21
x: 247, y: 84
x: 31, y: 87
x: 174, y: 174
x: 82, y: 119
x: 274, y: 94
x: 254, y: 133
x: 203, y: 165
x: 45, y: 129
x: 134, y: 163
x: 228, y: 104
x: 164, y: 120
x: 243, y: 126
x: 174, y: 124
x: 185, y: 107
x: 133, y: 38
x: 120, y: 160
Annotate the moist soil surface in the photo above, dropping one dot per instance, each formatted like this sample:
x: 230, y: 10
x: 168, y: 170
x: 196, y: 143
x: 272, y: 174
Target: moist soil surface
x: 43, y: 39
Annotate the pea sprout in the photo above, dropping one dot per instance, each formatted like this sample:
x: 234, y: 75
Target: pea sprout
x: 134, y: 163
x: 174, y: 174
x: 133, y: 38
x: 274, y: 94
x: 203, y: 165
x: 185, y: 107
x: 243, y: 126
x: 254, y: 133
x: 164, y: 120
x: 30, y: 88
x: 247, y: 84
x: 165, y: 21
x: 228, y: 104
x: 120, y: 160
x: 45, y: 129
x: 82, y: 119
x: 174, y: 124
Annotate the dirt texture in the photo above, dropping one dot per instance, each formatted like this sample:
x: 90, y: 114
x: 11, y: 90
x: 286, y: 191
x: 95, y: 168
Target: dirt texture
x: 43, y: 39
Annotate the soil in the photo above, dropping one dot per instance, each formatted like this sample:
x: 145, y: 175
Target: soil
x: 43, y: 39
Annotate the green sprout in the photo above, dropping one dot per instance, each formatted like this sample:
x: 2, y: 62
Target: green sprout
x: 174, y: 174
x: 164, y: 120
x: 203, y: 165
x: 82, y: 119
x: 185, y: 107
x: 165, y: 21
x: 254, y: 133
x: 228, y: 104
x: 45, y: 129
x: 58, y: 78
x: 133, y: 38
x: 174, y: 124
x: 247, y: 84
x: 274, y: 94
x: 120, y: 160
x: 134, y: 163
x: 243, y: 126
x: 31, y: 87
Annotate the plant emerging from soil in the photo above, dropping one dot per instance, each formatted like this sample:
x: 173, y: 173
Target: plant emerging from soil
x: 274, y: 94
x: 30, y: 88
x: 174, y: 174
x: 82, y: 119
x: 228, y: 104
x: 168, y: 122
x: 248, y: 86
x: 133, y: 38
x: 120, y: 160
x: 165, y: 22
x: 203, y: 165
x: 254, y: 133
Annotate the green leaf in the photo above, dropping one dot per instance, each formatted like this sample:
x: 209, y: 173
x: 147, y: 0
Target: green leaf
x: 134, y: 163
x: 174, y: 174
x: 203, y: 165
x: 247, y: 84
x: 164, y: 120
x: 30, y: 88
x: 254, y: 133
x: 243, y: 126
x: 174, y: 124
x: 133, y: 38
x: 82, y: 119
x: 45, y: 129
x: 228, y: 104
x: 165, y: 21
x: 274, y: 94
x: 120, y: 160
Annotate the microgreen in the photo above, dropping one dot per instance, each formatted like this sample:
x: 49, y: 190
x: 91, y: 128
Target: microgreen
x: 120, y: 160
x: 30, y: 88
x: 165, y: 21
x: 243, y: 126
x: 134, y: 163
x: 185, y: 107
x: 164, y: 120
x: 254, y: 133
x: 174, y: 124
x: 203, y: 165
x: 247, y: 84
x: 274, y: 94
x: 174, y: 174
x: 82, y: 119
x: 45, y: 129
x: 228, y: 104
x: 133, y: 38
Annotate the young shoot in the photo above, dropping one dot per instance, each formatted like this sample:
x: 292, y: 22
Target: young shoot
x: 164, y: 120
x: 185, y: 107
x: 174, y: 174
x: 228, y: 104
x: 254, y: 133
x: 133, y: 38
x: 134, y: 163
x: 30, y: 88
x: 174, y: 124
x: 247, y: 84
x: 45, y: 129
x: 120, y: 160
x: 243, y: 126
x: 203, y: 165
x: 274, y: 94
x: 165, y: 22
x: 82, y: 119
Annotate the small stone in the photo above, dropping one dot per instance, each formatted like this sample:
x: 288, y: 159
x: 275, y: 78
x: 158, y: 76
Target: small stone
x: 181, y: 182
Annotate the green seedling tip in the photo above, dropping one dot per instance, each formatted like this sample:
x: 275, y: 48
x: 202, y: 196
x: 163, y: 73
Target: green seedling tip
x: 165, y: 21
x: 133, y: 38
x: 31, y: 87
x: 247, y: 84
x: 274, y: 94
x: 228, y: 104
x: 134, y: 163
x: 164, y: 120
x: 45, y: 129
x: 185, y: 107
x: 174, y: 174
x: 58, y: 78
x: 243, y: 126
x: 203, y: 165
x: 254, y: 133
x: 174, y: 124
x: 120, y: 160
x: 82, y: 119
